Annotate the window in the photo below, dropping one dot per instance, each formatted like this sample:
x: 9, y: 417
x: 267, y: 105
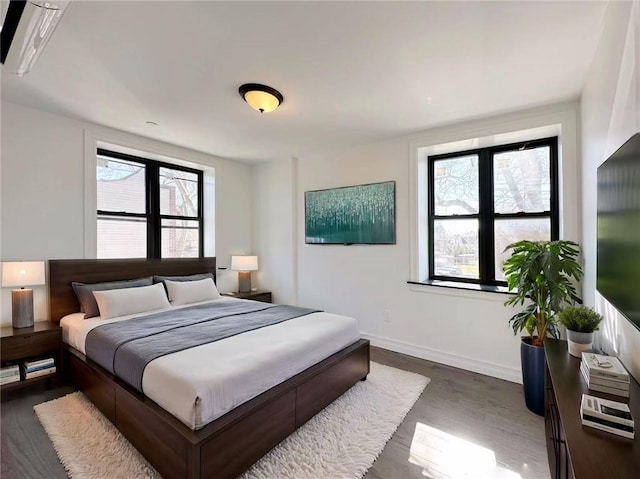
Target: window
x: 481, y: 201
x: 147, y: 208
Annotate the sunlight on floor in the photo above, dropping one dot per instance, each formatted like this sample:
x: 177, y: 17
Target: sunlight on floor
x: 444, y: 456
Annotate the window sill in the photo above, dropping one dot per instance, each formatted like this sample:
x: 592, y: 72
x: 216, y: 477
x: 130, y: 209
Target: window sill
x: 469, y: 290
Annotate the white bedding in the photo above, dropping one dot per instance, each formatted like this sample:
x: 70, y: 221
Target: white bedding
x: 203, y: 383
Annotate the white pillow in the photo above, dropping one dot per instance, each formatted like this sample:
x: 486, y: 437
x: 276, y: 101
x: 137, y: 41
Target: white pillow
x: 121, y: 302
x: 187, y: 292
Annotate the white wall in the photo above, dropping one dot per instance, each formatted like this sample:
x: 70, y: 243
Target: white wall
x: 43, y: 192
x: 610, y: 107
x: 461, y: 328
x: 274, y: 236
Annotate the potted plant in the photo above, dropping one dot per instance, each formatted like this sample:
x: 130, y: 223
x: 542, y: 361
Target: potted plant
x: 543, y: 275
x: 580, y: 322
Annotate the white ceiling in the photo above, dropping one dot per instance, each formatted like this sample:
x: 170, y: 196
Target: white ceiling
x: 350, y: 72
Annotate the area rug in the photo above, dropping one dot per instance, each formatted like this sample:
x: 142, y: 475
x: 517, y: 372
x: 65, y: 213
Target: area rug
x: 342, y: 441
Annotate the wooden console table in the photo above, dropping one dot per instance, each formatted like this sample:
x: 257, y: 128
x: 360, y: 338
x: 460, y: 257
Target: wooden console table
x: 576, y: 451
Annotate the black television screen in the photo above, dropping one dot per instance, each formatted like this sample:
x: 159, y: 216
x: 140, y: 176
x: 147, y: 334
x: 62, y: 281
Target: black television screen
x: 619, y: 229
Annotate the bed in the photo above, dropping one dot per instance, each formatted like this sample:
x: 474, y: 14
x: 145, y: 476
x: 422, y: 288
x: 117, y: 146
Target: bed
x: 235, y: 413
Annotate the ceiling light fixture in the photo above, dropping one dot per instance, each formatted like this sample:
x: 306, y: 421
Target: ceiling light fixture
x: 27, y: 28
x: 261, y: 97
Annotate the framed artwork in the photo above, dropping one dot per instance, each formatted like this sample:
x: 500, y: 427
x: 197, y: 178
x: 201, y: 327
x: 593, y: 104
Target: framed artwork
x: 362, y: 214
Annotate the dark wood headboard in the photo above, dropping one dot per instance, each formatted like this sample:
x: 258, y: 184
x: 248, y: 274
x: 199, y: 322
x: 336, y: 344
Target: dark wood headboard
x: 62, y: 299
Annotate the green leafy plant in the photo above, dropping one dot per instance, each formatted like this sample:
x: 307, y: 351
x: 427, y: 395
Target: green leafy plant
x: 580, y: 319
x: 544, y: 275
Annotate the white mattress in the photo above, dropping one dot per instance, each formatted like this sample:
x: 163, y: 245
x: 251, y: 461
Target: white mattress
x: 203, y: 383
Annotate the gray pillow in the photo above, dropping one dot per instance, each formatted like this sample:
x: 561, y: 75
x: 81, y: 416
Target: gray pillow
x: 192, y: 277
x: 84, y: 292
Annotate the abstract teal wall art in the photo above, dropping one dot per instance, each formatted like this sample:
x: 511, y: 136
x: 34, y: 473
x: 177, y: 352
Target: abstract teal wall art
x: 363, y: 214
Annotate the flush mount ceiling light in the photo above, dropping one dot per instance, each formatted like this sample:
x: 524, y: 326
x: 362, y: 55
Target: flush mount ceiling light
x: 261, y: 97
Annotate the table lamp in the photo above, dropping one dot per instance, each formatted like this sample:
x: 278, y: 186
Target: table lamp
x: 22, y: 273
x: 244, y: 265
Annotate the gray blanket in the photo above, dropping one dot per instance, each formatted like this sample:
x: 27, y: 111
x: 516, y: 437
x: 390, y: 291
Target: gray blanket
x: 126, y: 347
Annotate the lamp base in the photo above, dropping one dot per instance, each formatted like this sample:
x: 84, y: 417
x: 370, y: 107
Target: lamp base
x: 22, y: 308
x: 244, y: 281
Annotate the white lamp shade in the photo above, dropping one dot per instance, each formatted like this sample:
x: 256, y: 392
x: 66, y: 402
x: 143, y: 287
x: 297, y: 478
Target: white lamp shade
x: 244, y: 263
x: 22, y: 273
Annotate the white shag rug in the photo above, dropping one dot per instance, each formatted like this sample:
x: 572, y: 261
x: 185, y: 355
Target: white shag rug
x: 342, y: 441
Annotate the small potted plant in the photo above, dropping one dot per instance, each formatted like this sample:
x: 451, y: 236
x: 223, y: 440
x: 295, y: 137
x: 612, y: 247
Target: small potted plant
x: 580, y: 322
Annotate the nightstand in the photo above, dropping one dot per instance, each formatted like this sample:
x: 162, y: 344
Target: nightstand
x: 264, y: 296
x: 42, y: 340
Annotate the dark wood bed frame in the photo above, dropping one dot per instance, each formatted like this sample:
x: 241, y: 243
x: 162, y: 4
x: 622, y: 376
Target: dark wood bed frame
x: 226, y: 447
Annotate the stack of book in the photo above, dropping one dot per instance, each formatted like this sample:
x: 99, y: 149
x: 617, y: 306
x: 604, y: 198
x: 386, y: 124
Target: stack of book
x: 610, y: 416
x: 10, y: 374
x: 42, y: 367
x: 605, y: 374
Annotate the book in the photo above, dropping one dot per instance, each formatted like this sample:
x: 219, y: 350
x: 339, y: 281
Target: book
x: 10, y: 371
x: 611, y: 413
x: 40, y: 372
x: 612, y: 383
x: 602, y: 388
x: 38, y: 362
x: 602, y: 366
x: 605, y: 422
x: 9, y: 379
x: 40, y: 367
x: 42, y: 363
x: 612, y: 430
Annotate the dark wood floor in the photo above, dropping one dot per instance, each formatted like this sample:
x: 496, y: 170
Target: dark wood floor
x: 463, y: 422
x: 26, y: 449
x: 463, y: 425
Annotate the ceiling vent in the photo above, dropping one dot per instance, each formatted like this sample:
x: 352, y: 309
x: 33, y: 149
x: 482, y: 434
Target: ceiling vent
x: 26, y: 29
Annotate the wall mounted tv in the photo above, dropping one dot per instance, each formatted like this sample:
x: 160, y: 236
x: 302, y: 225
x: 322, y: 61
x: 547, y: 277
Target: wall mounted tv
x: 363, y: 214
x: 619, y: 229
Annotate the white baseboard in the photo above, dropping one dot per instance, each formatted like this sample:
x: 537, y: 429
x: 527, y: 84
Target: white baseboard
x: 442, y: 357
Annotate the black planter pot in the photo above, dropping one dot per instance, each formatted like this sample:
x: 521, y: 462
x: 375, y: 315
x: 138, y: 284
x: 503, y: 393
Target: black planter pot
x: 533, y: 358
